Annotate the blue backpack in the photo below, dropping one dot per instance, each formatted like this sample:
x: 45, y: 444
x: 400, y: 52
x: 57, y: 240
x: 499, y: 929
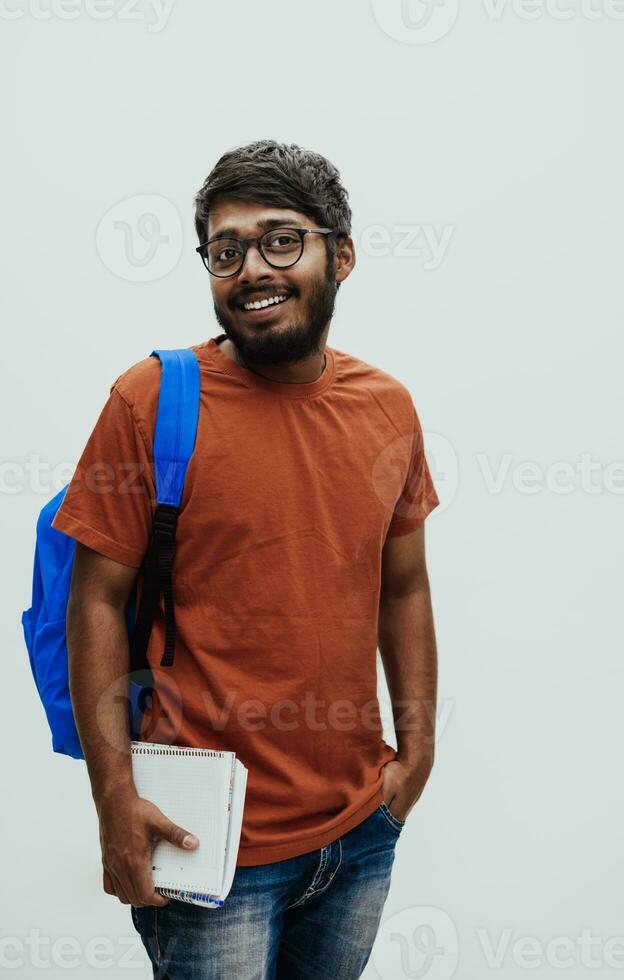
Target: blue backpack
x: 44, y: 622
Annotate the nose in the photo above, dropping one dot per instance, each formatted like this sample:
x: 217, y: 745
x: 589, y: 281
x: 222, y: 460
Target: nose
x: 254, y: 267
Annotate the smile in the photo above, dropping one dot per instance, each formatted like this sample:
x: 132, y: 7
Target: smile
x: 262, y: 304
x: 265, y: 309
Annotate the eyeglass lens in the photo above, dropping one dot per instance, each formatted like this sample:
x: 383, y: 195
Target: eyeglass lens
x: 281, y: 247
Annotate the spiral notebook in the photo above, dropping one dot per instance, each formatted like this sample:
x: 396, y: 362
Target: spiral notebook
x: 202, y: 790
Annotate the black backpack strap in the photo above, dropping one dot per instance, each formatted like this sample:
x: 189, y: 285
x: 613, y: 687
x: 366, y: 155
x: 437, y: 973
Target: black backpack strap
x: 174, y: 442
x: 157, y: 581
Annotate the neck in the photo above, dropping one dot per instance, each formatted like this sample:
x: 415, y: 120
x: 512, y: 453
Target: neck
x: 274, y: 376
x: 302, y: 372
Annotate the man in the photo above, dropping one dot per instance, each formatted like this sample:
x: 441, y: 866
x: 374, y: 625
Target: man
x: 300, y: 551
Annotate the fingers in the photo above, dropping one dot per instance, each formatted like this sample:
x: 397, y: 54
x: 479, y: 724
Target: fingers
x: 166, y: 830
x: 135, y: 888
x: 131, y: 880
x: 119, y: 889
x: 146, y: 892
x: 109, y: 888
x: 138, y: 892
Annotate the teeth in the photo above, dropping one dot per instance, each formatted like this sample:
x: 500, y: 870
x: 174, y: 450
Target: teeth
x: 261, y: 304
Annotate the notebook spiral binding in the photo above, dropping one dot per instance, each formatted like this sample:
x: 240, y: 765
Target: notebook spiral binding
x: 184, y: 896
x: 142, y: 749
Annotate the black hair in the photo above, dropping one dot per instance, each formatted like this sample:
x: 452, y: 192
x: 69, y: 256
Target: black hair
x: 282, y: 175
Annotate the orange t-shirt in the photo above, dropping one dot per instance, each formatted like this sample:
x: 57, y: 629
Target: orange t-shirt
x: 289, y: 496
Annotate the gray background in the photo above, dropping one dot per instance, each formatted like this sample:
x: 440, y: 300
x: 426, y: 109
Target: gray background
x: 501, y: 138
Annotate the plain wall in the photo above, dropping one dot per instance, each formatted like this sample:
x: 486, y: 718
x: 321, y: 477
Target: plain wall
x: 483, y: 155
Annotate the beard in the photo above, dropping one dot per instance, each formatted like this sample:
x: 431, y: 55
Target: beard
x: 291, y: 341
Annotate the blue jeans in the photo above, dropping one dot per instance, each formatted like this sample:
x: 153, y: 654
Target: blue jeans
x: 312, y: 916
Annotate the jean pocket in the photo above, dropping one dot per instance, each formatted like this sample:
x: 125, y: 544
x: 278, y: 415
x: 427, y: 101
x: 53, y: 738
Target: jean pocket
x: 396, y: 824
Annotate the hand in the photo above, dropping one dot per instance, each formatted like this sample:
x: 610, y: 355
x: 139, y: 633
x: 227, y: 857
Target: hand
x: 129, y: 828
x: 404, y: 782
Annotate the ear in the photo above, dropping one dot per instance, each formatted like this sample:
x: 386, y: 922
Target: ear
x: 344, y: 259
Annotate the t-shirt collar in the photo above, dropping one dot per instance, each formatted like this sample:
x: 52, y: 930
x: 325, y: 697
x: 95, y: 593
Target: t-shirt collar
x: 292, y: 389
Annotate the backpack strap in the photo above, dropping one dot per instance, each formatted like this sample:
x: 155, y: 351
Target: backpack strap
x: 174, y: 442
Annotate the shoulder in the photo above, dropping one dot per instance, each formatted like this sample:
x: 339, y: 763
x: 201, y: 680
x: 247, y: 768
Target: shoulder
x: 378, y: 386
x: 136, y: 380
x: 138, y: 386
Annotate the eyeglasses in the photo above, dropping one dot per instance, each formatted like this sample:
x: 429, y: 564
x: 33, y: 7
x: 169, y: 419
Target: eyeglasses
x: 279, y: 247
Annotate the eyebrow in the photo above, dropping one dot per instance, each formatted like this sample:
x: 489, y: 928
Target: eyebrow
x: 264, y: 224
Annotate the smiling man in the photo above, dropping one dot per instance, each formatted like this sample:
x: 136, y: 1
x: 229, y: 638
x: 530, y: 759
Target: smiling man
x: 300, y: 552
x: 277, y: 311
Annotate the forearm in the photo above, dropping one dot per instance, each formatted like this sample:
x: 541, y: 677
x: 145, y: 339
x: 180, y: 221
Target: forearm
x: 98, y: 653
x: 406, y: 640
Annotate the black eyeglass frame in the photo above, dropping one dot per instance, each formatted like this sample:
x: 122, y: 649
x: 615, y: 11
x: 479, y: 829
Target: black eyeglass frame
x: 257, y: 241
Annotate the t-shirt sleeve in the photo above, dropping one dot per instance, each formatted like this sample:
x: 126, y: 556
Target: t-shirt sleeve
x: 418, y: 496
x: 110, y: 500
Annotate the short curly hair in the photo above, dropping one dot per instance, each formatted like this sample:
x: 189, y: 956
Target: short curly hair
x: 282, y: 175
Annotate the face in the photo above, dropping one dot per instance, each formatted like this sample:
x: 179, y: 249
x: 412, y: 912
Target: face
x: 290, y: 330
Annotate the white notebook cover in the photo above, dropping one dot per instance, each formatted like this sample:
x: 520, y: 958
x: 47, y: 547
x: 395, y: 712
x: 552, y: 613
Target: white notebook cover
x: 203, y: 791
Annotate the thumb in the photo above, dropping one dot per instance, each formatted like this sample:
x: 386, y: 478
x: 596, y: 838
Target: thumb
x: 170, y: 831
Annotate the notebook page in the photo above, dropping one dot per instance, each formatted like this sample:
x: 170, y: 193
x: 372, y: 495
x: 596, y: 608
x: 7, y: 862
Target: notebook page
x: 237, y: 805
x: 191, y: 787
x: 236, y: 822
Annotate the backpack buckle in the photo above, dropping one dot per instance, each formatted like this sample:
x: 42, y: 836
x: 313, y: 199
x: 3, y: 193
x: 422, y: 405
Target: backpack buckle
x: 165, y: 522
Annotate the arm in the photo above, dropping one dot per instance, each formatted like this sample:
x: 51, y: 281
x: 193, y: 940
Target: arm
x: 98, y: 654
x: 406, y: 641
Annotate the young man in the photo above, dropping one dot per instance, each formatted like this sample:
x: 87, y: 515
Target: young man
x: 300, y: 551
